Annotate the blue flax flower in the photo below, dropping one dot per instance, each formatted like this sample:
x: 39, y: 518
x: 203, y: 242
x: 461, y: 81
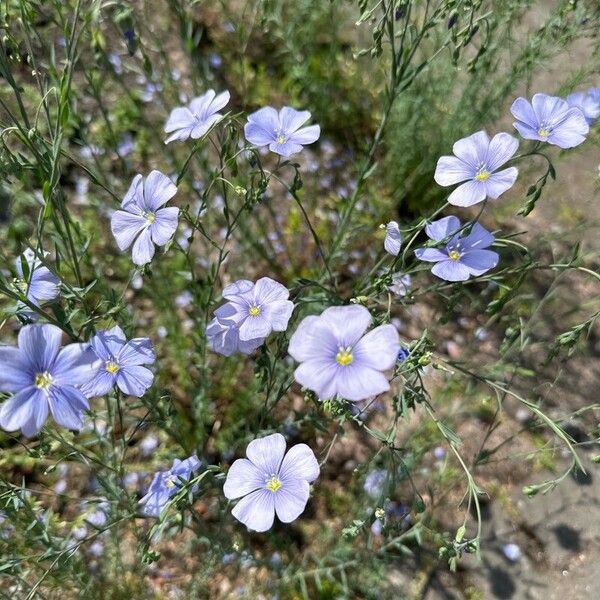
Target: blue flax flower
x: 587, y: 102
x: 282, y: 131
x: 195, y: 119
x: 40, y: 284
x: 120, y: 363
x: 141, y: 220
x: 254, y: 310
x: 271, y: 481
x: 463, y: 256
x: 549, y: 119
x: 42, y: 376
x: 338, y: 357
x: 476, y: 161
x: 393, y: 238
x: 166, y: 484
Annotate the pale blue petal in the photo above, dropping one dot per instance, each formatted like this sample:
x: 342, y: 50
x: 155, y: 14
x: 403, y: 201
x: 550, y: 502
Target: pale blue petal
x: 15, y: 371
x: 291, y: 499
x: 442, y: 228
x: 451, y: 270
x: 243, y: 477
x: 256, y: 510
x: 164, y: 226
x: 158, y: 189
x: 299, y: 463
x: 378, y: 349
x: 468, y: 194
x: 29, y: 405
x: 125, y: 227
x: 134, y: 381
x: 39, y: 345
x: 266, y: 453
x: 143, y: 248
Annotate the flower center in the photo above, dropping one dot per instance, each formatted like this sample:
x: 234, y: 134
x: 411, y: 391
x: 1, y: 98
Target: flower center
x: 280, y: 139
x: 273, y: 483
x: 544, y: 131
x: 344, y: 356
x: 454, y: 255
x: 21, y: 285
x: 171, y: 481
x: 111, y: 366
x: 43, y: 381
x: 254, y: 311
x: 482, y: 175
x: 150, y: 217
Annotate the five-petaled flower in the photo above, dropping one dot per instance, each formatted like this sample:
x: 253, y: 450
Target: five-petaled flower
x: 476, y: 161
x: 195, y: 119
x: 338, y: 358
x: 255, y: 309
x: 225, y: 339
x: 43, y: 377
x: 271, y: 481
x: 282, y: 131
x: 393, y: 238
x: 166, y: 484
x: 39, y: 284
x: 120, y: 363
x: 587, y: 102
x: 463, y: 255
x: 141, y: 220
x: 549, y: 119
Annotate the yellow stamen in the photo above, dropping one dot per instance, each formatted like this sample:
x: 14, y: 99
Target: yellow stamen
x: 150, y: 217
x: 482, y: 175
x: 43, y: 380
x: 344, y: 357
x: 171, y: 482
x: 543, y: 132
x: 254, y: 311
x: 454, y: 255
x: 112, y: 367
x: 273, y: 484
x: 280, y: 139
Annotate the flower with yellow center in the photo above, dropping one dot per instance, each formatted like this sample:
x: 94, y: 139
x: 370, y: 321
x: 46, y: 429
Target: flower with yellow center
x: 273, y: 483
x: 254, y: 311
x: 344, y: 356
x: 43, y: 381
x: 454, y: 255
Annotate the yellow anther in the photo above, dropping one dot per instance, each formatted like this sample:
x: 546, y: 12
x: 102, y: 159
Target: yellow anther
x: 43, y: 380
x: 112, y: 367
x: 454, y: 255
x: 482, y: 175
x: 344, y: 357
x: 254, y: 311
x: 273, y: 484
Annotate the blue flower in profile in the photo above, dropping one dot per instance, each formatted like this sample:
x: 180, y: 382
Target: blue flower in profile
x: 587, y: 102
x: 224, y: 338
x: 476, y: 161
x: 166, y: 484
x: 142, y: 221
x: 39, y: 284
x: 120, y: 363
x: 195, y: 119
x: 43, y: 377
x: 281, y: 131
x: 549, y: 119
x: 393, y: 238
x: 463, y: 256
